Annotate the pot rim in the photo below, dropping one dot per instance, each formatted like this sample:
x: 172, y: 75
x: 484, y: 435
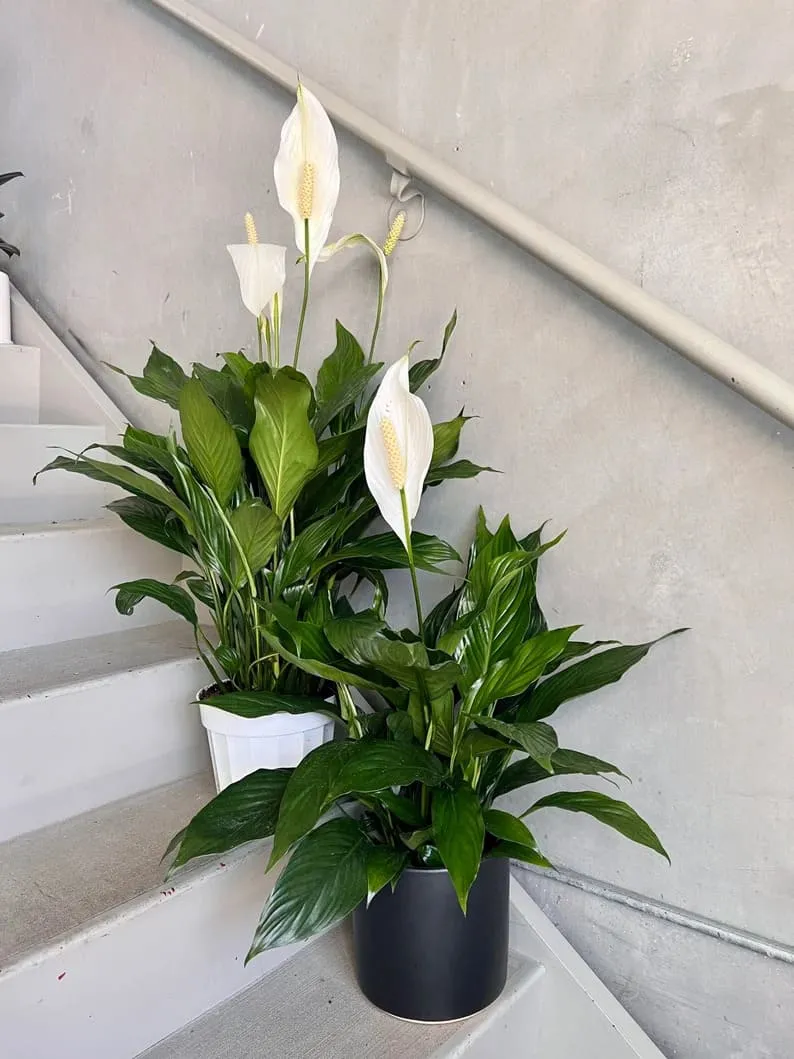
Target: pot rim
x: 429, y: 871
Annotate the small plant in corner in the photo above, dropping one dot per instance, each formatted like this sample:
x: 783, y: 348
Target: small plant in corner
x: 6, y: 247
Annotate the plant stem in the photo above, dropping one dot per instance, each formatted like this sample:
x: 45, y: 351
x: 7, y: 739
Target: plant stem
x: 376, y: 328
x: 412, y: 565
x: 259, y: 335
x: 276, y: 332
x: 305, y: 302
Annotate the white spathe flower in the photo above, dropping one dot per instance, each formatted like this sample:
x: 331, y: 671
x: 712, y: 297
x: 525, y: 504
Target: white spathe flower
x: 306, y: 172
x: 398, y: 448
x: 261, y: 268
x: 358, y: 239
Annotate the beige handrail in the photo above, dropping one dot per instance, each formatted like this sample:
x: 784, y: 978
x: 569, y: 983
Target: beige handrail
x: 699, y: 345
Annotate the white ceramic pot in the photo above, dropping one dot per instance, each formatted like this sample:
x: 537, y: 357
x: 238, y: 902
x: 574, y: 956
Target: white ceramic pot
x: 239, y: 745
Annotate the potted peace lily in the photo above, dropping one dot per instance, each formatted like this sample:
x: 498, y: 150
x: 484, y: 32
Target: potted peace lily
x: 5, y: 286
x: 420, y: 849
x: 263, y: 492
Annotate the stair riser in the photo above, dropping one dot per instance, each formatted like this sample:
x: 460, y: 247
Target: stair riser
x: 57, y: 496
x: 20, y: 368
x: 85, y: 745
x: 124, y: 984
x: 55, y: 583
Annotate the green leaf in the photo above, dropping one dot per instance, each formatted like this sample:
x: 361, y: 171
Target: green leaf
x: 282, y: 441
x: 508, y: 827
x: 210, y: 441
x: 384, y: 865
x: 458, y: 469
x: 307, y: 546
x: 338, y: 672
x: 228, y: 393
x: 243, y: 812
x: 406, y: 811
x: 446, y: 438
x: 252, y: 704
x: 459, y: 833
x: 200, y: 588
x: 515, y: 851
x: 537, y: 739
x: 400, y: 726
x: 153, y: 520
x: 258, y: 531
x: 512, y: 676
x: 162, y: 378
x: 342, y: 378
x: 336, y: 769
x: 563, y: 763
x: 238, y: 364
x: 583, y: 677
x: 323, y: 882
x: 441, y: 616
x: 609, y: 811
x: 130, y: 593
x: 118, y: 474
x: 385, y: 551
x: 410, y: 664
x: 423, y: 369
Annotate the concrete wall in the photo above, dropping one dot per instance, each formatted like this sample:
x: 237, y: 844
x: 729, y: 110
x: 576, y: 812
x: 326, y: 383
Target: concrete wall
x: 659, y: 137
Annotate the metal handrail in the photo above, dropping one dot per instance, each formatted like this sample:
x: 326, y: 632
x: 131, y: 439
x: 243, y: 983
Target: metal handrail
x: 699, y: 345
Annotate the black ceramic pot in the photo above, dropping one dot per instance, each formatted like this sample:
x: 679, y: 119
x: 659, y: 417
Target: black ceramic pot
x: 418, y: 957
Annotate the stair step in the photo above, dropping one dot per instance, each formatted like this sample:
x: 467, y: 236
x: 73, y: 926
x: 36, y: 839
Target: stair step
x: 53, y: 880
x: 88, y: 721
x: 129, y: 977
x: 24, y: 449
x: 56, y: 578
x: 20, y: 370
x: 312, y: 1006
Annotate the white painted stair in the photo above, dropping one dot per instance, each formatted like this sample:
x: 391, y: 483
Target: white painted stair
x: 103, y: 759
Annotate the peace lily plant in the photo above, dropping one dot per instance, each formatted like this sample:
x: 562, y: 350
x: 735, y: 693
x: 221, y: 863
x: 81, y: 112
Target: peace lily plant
x: 262, y: 488
x: 449, y: 705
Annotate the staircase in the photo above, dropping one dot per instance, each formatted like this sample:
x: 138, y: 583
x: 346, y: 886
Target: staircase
x: 104, y: 759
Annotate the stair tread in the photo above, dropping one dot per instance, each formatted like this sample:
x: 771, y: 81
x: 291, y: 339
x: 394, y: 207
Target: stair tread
x: 57, y: 878
x: 91, y: 523
x: 312, y: 1006
x: 28, y: 671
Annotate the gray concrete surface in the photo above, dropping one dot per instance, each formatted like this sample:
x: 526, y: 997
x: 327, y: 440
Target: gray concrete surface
x: 54, y: 879
x: 658, y: 138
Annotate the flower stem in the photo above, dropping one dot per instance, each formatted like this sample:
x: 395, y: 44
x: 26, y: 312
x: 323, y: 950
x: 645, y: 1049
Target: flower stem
x: 412, y: 566
x: 259, y: 335
x: 305, y: 302
x: 276, y: 332
x: 376, y: 328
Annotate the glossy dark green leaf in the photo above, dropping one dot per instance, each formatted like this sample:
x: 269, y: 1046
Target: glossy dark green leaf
x: 513, y: 675
x: 423, y: 369
x: 325, y: 879
x: 336, y: 769
x: 252, y: 704
x: 525, y: 854
x: 446, y: 438
x: 118, y: 474
x: 577, y: 649
x: 243, y: 812
x: 459, y: 834
x: 310, y: 543
x: 400, y: 727
x: 338, y: 672
x: 441, y: 616
x: 609, y: 811
x: 162, y: 378
x: 508, y: 827
x: 537, y: 739
x: 210, y: 441
x: 457, y: 469
x: 130, y: 593
x: 282, y: 441
x: 258, y: 532
x: 384, y: 865
x: 342, y: 378
x: 405, y: 810
x: 238, y: 364
x: 153, y: 520
x: 584, y: 677
x: 563, y: 762
x: 228, y: 393
x: 385, y: 551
